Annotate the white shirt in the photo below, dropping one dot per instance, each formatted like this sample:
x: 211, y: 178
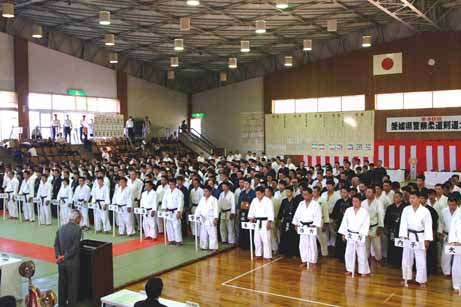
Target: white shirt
x: 149, y: 200
x: 129, y: 123
x: 261, y: 209
x: 33, y: 152
x: 101, y: 194
x: 173, y: 200
x: 83, y: 123
x: 44, y: 190
x: 67, y: 123
x: 56, y: 123
x: 208, y: 210
x: 419, y: 220
x: 195, y: 195
x: 356, y: 222
x: 227, y: 201
x: 122, y: 197
x: 82, y: 193
x: 306, y: 214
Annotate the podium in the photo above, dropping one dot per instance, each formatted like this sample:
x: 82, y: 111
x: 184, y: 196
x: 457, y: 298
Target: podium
x: 96, y: 271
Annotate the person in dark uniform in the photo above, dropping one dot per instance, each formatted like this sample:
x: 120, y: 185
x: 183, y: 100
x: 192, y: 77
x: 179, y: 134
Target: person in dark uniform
x: 67, y: 252
x: 56, y: 183
x: 432, y: 250
x: 392, y: 226
x: 289, y: 238
x: 245, y: 198
x: 337, y: 216
x: 154, y: 287
x: 184, y: 224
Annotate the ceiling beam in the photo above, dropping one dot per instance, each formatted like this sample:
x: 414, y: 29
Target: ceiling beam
x: 380, y: 6
x: 418, y: 12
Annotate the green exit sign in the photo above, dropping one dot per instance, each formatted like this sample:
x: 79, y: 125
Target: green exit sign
x: 75, y: 92
x: 198, y: 115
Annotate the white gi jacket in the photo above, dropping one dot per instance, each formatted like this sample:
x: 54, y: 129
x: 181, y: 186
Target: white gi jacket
x: 208, y: 210
x: 308, y: 216
x: 173, y: 201
x: 226, y: 204
x: 355, y: 222
x: 416, y: 225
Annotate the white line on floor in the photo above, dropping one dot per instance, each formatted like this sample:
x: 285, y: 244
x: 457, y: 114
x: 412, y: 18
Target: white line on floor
x: 251, y: 271
x: 389, y: 297
x: 282, y: 296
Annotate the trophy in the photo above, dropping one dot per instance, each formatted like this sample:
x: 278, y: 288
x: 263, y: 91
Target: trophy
x: 35, y: 297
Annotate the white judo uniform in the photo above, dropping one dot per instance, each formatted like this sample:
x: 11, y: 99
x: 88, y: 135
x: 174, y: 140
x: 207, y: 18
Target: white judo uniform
x: 376, y: 213
x: 27, y: 190
x: 356, y: 223
x: 208, y: 211
x: 196, y: 195
x: 160, y: 192
x: 149, y: 201
x: 173, y: 202
x: 416, y: 226
x: 101, y: 198
x: 136, y: 190
x: 82, y: 196
x: 444, y: 228
x: 44, y: 194
x: 123, y: 199
x: 454, y: 236
x: 323, y: 235
x: 308, y: 215
x: 226, y: 204
x: 65, y: 207
x: 11, y: 188
x: 262, y: 211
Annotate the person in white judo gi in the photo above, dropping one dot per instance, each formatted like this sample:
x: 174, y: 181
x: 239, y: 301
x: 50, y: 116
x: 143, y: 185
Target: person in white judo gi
x: 161, y: 188
x: 376, y: 212
x: 136, y: 185
x: 45, y: 189
x: 262, y: 213
x: 12, y: 188
x: 27, y: 190
x: 308, y: 214
x: 81, y: 197
x: 416, y: 226
x: 149, y: 202
x: 123, y: 199
x: 100, y: 196
x: 356, y: 222
x: 445, y: 222
x: 196, y: 193
x: 65, y: 196
x: 322, y: 235
x: 454, y: 238
x: 208, y: 211
x: 173, y: 202
x: 226, y: 205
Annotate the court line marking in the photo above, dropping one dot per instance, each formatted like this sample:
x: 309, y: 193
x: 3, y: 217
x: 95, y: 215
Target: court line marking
x: 283, y: 296
x: 251, y: 271
x: 389, y: 297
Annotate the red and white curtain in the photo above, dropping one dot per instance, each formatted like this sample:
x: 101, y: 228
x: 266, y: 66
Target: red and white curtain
x: 323, y: 160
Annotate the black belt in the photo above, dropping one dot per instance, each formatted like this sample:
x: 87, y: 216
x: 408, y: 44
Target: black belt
x: 354, y: 232
x: 98, y: 202
x: 445, y: 233
x: 224, y: 211
x: 194, y: 205
x: 9, y: 194
x: 415, y: 232
x: 43, y: 199
x: 80, y: 200
x: 260, y: 219
x: 374, y: 225
x: 306, y: 223
x: 172, y: 210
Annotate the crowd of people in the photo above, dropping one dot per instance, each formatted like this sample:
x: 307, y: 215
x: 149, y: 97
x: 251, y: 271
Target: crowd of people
x: 349, y: 210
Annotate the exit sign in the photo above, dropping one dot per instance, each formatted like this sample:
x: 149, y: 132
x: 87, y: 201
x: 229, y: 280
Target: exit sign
x: 75, y: 92
x: 198, y: 115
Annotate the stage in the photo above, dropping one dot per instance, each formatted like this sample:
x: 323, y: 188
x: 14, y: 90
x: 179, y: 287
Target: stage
x: 133, y: 260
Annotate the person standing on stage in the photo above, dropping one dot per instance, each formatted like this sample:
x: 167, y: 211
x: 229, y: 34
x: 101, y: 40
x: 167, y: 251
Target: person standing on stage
x: 308, y: 214
x: 55, y: 126
x: 245, y: 198
x: 262, y: 213
x: 149, y: 202
x: 289, y: 239
x: 173, y: 202
x: 416, y: 226
x: 83, y: 129
x: 67, y: 252
x: 392, y: 226
x: 67, y: 125
x: 130, y: 128
x: 81, y: 197
x: 356, y: 222
x: 208, y: 211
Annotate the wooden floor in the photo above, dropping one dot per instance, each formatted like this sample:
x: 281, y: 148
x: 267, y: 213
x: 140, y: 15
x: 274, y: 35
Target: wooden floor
x: 230, y: 279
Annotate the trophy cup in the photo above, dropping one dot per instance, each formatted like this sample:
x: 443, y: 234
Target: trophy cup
x: 35, y: 297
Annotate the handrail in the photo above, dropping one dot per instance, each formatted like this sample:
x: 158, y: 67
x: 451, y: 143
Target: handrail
x: 196, y: 141
x: 200, y: 136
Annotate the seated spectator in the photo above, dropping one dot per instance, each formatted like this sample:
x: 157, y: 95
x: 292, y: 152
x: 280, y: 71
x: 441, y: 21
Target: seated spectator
x: 36, y: 134
x: 153, y: 289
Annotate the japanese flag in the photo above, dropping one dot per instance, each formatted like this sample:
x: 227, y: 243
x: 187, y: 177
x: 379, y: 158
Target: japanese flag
x: 387, y: 64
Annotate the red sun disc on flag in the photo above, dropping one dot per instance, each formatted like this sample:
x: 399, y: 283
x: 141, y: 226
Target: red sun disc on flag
x: 387, y: 63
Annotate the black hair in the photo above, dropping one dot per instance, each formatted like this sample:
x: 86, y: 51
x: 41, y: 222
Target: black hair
x: 154, y: 288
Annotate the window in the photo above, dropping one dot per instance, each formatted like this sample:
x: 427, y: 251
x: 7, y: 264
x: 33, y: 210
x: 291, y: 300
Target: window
x: 8, y: 100
x: 389, y: 101
x: 39, y: 101
x: 325, y: 104
x: 284, y: 106
x: 306, y: 105
x: 353, y: 103
x: 329, y: 104
x: 417, y: 100
x: 447, y: 99
x: 63, y: 102
x: 8, y: 124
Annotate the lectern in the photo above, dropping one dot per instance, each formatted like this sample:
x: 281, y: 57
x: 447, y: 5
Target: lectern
x: 96, y: 271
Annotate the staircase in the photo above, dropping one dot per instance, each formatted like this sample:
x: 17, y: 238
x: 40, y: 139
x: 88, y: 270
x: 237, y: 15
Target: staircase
x: 198, y: 143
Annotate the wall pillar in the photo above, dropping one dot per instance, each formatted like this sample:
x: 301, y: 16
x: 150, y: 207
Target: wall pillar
x: 122, y: 92
x: 21, y: 81
x: 189, y: 109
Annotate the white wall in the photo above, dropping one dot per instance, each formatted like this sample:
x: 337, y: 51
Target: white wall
x: 6, y: 62
x: 51, y: 71
x: 166, y: 108
x: 224, y: 110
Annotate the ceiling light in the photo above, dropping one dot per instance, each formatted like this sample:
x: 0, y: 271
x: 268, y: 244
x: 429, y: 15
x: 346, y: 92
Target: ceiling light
x: 281, y: 4
x: 307, y: 45
x: 184, y: 24
x: 366, y: 41
x: 288, y: 61
x: 193, y: 2
x: 104, y: 18
x: 232, y: 63
x: 260, y: 26
x: 113, y: 58
x: 37, y: 31
x: 178, y: 44
x: 109, y: 39
x: 332, y: 25
x: 222, y: 76
x: 174, y: 61
x: 171, y: 75
x: 8, y: 10
x: 245, y: 46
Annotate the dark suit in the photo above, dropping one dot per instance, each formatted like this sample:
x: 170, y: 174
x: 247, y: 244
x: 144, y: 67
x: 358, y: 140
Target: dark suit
x: 67, y: 244
x: 149, y: 303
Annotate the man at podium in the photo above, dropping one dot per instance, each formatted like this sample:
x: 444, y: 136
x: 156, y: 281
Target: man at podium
x: 153, y: 289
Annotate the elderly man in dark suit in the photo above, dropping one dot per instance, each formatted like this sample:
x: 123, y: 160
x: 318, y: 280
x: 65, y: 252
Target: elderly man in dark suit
x: 67, y: 251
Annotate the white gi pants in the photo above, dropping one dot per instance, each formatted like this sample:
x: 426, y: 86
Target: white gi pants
x: 13, y: 208
x: 308, y: 248
x: 101, y: 216
x: 456, y: 272
x: 208, y: 236
x: 45, y: 214
x: 408, y: 256
x: 29, y: 213
x: 64, y: 213
x: 192, y: 224
x: 446, y: 261
x: 275, y: 238
x: 226, y: 228
x: 362, y: 257
x: 85, y: 219
x: 323, y: 240
x: 148, y: 225
x: 375, y: 241
x: 262, y: 240
x: 173, y: 228
x: 159, y: 222
x: 125, y: 222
